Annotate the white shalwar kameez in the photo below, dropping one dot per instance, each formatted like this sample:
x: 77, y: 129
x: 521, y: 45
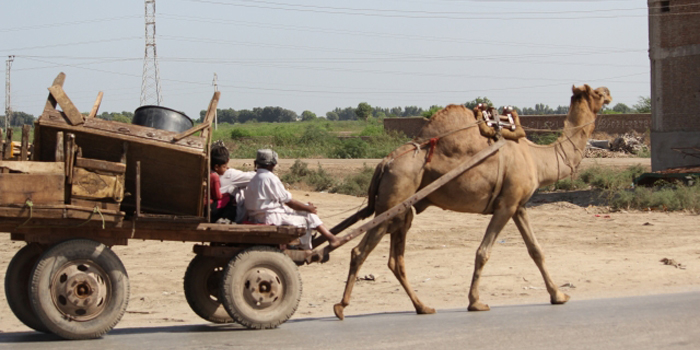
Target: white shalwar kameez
x: 234, y: 183
x: 265, y: 196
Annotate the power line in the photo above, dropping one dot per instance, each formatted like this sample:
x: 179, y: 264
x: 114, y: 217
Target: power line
x: 396, y: 13
x: 61, y: 24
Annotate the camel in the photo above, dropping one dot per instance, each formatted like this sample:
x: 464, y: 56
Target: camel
x: 500, y: 185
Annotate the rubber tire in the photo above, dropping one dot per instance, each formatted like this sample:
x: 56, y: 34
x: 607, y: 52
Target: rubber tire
x: 54, y: 260
x: 234, y: 280
x: 199, y: 275
x: 17, y: 285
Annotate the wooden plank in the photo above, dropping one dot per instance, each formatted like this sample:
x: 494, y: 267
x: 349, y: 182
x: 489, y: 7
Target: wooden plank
x: 100, y: 165
x: 171, y: 174
x: 96, y: 106
x: 8, y: 145
x: 87, y: 203
x: 71, y: 112
x: 406, y: 204
x: 31, y: 167
x: 17, y: 189
x: 209, y: 117
x: 51, y: 101
x: 211, y: 236
x: 190, y: 131
x: 37, y: 143
x: 92, y: 185
x: 24, y: 152
x: 60, y: 155
x: 121, y: 131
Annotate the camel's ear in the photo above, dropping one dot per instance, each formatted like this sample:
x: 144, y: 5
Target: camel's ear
x: 577, y: 90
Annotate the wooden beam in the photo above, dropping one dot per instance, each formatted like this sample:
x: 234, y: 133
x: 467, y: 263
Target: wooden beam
x: 209, y: 117
x: 24, y: 152
x: 51, y: 101
x: 189, y: 132
x: 29, y: 167
x: 8, y: 145
x: 101, y: 165
x: 60, y: 154
x: 69, y: 109
x: 41, y: 189
x: 96, y: 106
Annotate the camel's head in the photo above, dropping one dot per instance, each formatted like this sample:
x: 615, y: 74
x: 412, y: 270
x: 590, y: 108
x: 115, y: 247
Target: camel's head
x: 596, y: 99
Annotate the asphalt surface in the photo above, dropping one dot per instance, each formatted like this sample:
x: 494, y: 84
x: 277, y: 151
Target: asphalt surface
x: 669, y: 321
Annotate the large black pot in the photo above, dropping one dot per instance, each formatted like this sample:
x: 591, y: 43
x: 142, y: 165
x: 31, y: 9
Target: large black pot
x: 162, y: 118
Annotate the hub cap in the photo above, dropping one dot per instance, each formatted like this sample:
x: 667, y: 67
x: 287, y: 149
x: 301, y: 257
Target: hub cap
x: 80, y: 290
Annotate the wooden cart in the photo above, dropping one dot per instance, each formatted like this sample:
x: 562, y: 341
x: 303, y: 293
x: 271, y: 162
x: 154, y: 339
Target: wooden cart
x: 92, y: 184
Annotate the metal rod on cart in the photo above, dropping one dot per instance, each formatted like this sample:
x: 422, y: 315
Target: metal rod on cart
x: 318, y: 254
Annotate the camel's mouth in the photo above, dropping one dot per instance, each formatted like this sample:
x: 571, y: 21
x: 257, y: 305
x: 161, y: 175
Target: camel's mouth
x: 607, y: 99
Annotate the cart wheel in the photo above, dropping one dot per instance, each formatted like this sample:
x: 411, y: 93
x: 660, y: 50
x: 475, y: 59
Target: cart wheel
x: 17, y: 285
x: 261, y: 288
x: 202, y: 281
x: 79, y: 289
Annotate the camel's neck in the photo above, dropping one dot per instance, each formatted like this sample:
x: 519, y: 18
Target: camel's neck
x: 560, y: 159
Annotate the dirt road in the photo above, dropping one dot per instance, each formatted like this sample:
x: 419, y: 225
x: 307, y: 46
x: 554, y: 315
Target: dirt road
x: 592, y: 252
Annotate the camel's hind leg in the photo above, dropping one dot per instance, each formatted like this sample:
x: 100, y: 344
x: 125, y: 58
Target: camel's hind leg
x: 498, y: 221
x: 397, y: 266
x: 522, y: 221
x: 358, y: 256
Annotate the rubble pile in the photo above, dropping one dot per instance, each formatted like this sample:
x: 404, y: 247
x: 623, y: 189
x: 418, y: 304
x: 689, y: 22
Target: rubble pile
x: 621, y: 146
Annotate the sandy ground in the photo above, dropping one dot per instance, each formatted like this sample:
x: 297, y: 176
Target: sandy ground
x: 594, y: 252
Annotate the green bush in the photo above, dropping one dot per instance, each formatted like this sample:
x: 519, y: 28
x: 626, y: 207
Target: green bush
x: 319, y: 180
x: 351, y: 148
x: 609, y: 178
x: 543, y: 139
x: 355, y: 184
x: 667, y: 198
x: 239, y: 133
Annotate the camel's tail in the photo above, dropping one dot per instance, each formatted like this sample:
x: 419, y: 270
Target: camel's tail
x: 373, y: 189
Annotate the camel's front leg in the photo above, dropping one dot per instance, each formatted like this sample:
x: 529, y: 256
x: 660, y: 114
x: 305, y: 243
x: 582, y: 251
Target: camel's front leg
x: 397, y: 266
x: 499, y: 219
x: 522, y: 221
x: 358, y: 256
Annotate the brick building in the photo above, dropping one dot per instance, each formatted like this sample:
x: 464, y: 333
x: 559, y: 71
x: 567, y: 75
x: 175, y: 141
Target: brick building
x: 674, y: 51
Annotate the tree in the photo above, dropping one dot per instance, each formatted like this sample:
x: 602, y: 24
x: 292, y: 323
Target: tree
x: 433, y: 109
x: 332, y: 116
x: 307, y: 116
x: 643, y: 105
x: 473, y: 103
x: 363, y: 111
x: 412, y: 111
x: 21, y: 118
x: 622, y: 108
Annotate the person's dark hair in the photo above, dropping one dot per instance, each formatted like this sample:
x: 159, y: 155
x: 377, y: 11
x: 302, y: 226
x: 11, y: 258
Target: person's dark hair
x: 218, y: 149
x: 218, y: 159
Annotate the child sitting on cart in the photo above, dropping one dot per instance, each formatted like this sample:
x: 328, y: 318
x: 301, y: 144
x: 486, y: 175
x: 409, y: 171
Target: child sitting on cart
x: 227, y: 185
x: 268, y: 202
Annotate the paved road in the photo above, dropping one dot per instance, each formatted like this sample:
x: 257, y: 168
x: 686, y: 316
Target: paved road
x: 670, y: 321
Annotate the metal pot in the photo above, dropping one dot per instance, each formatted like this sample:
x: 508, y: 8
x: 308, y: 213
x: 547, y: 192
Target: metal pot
x: 162, y: 118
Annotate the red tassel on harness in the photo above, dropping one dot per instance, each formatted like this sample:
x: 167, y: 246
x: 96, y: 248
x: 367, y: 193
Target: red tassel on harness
x: 433, y: 142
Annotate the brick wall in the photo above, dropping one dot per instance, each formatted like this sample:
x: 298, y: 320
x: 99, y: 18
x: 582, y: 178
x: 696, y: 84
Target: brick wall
x: 608, y: 123
x: 674, y: 52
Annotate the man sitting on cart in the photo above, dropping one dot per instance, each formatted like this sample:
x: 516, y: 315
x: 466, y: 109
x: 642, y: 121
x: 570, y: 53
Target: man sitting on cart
x: 268, y: 202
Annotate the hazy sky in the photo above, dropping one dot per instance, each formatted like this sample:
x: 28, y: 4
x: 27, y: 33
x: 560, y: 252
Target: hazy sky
x: 317, y: 55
